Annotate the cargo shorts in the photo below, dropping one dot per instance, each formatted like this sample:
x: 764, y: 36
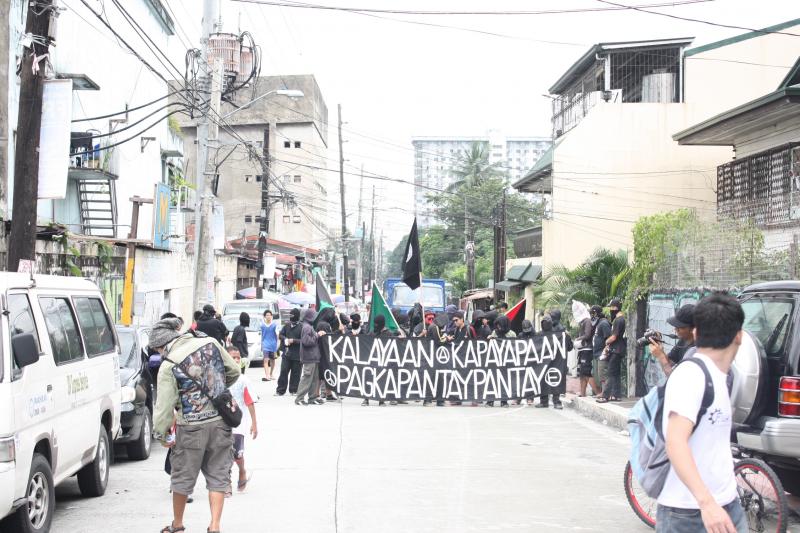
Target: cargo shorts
x: 206, y: 448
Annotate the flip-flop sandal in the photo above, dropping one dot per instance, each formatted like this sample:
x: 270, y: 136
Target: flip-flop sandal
x: 171, y: 529
x: 602, y: 400
x: 242, y: 485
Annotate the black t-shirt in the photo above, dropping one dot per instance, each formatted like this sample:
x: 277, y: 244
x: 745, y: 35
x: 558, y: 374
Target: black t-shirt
x: 602, y: 331
x: 678, y: 351
x: 213, y: 328
x: 618, y: 328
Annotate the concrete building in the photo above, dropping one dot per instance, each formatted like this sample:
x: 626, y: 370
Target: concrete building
x: 298, y: 142
x: 100, y: 182
x: 435, y: 157
x: 614, y: 113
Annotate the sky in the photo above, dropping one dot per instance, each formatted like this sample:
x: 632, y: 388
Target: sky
x: 396, y: 79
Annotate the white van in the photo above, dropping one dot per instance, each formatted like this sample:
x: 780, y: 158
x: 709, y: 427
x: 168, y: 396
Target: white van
x: 59, y: 394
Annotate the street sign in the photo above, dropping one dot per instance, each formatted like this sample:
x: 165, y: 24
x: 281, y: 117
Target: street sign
x: 161, y: 231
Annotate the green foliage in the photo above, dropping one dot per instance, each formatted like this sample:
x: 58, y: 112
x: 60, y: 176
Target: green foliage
x: 603, y: 276
x: 174, y: 127
x: 105, y: 256
x: 473, y: 168
x: 653, y: 239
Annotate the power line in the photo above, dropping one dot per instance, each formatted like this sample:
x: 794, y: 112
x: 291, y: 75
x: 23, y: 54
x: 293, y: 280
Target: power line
x: 304, y: 5
x: 700, y: 21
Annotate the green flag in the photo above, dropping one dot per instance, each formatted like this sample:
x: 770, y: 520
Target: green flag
x: 379, y: 307
x: 324, y: 299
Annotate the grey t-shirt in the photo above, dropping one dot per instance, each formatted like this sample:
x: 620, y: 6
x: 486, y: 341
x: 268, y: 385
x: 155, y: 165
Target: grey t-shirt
x: 602, y: 331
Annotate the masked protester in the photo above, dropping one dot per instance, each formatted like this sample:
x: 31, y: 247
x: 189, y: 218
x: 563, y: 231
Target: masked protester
x: 502, y: 330
x: 585, y: 357
x: 616, y: 348
x: 602, y: 331
x: 209, y: 324
x: 310, y: 356
x: 528, y: 332
x: 547, y: 328
x: 379, y: 330
x: 451, y: 311
x: 480, y: 325
x: 435, y: 332
x: 355, y: 324
x: 291, y: 367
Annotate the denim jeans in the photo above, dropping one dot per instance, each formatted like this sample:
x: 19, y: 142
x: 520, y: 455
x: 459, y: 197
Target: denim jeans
x: 674, y: 520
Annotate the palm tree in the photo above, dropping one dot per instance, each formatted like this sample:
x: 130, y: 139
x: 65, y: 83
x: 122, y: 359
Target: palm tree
x: 603, y: 276
x: 472, y: 167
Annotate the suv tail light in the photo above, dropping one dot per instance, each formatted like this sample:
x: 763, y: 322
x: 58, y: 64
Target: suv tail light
x: 789, y: 397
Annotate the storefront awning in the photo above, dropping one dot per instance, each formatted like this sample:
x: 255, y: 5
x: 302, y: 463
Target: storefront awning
x: 506, y: 285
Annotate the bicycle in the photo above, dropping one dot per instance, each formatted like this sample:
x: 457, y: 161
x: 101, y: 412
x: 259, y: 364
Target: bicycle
x: 760, y: 493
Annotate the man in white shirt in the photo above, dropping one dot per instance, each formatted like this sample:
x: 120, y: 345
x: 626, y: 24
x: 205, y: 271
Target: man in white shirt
x: 700, y: 491
x: 246, y: 397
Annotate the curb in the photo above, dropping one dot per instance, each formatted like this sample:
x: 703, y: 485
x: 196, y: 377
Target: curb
x: 608, y: 414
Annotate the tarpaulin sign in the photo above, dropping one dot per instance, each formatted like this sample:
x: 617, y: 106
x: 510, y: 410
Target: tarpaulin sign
x: 391, y: 368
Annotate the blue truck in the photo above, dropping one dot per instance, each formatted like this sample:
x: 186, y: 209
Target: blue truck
x: 399, y: 295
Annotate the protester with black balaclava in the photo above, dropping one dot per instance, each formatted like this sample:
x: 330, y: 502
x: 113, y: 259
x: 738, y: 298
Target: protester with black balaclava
x: 291, y: 367
x: 602, y: 331
x: 239, y: 335
x: 480, y: 325
x: 528, y: 332
x: 310, y: 356
x: 585, y: 357
x: 555, y: 316
x: 451, y: 312
x: 355, y: 324
x: 502, y: 330
x: 547, y: 329
x: 378, y: 330
x: 209, y: 324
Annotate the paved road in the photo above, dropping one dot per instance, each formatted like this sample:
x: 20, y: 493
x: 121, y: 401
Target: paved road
x: 403, y: 468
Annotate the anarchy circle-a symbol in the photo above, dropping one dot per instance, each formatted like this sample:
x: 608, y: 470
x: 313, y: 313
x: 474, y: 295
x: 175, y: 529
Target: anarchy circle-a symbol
x: 443, y: 355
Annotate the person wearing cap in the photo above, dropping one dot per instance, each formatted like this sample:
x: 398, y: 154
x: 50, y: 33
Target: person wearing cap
x: 616, y: 349
x: 195, y: 368
x: 209, y: 324
x: 291, y: 367
x: 683, y: 322
x: 602, y: 331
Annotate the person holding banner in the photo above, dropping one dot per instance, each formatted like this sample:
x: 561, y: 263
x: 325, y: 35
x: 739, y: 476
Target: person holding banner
x: 502, y: 330
x: 380, y: 330
x: 548, y: 329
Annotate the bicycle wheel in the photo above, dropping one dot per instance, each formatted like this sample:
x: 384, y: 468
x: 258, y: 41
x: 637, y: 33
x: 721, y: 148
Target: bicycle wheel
x: 643, y: 505
x: 762, y: 496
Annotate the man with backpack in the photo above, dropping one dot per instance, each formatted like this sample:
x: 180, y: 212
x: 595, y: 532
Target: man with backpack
x: 699, y: 492
x: 195, y: 372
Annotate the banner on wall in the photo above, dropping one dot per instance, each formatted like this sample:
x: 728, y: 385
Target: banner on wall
x: 392, y: 368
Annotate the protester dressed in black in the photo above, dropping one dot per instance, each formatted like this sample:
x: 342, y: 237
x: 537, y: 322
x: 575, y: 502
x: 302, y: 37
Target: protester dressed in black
x: 239, y: 335
x: 211, y: 326
x: 548, y: 328
x: 502, y: 330
x: 379, y: 330
x: 291, y: 367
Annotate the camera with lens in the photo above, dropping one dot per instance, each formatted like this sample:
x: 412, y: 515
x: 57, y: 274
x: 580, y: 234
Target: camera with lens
x: 650, y: 334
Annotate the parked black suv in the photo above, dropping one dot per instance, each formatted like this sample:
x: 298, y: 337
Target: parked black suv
x: 138, y: 392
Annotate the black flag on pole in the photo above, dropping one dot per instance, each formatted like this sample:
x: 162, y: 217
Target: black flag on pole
x: 412, y: 262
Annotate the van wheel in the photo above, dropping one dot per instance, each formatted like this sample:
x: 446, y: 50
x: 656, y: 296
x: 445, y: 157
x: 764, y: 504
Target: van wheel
x: 139, y: 450
x: 93, y: 478
x: 37, y: 513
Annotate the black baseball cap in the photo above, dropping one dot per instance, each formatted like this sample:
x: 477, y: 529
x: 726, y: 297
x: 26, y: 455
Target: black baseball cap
x: 615, y: 303
x: 684, y: 317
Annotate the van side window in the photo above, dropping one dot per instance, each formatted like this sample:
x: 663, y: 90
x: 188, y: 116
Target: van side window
x: 20, y: 317
x: 62, y: 330
x: 97, y: 336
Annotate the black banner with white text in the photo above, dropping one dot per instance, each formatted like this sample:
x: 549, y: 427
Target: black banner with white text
x: 392, y: 368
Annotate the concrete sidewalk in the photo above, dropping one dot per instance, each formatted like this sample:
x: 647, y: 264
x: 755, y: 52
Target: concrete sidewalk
x: 612, y: 414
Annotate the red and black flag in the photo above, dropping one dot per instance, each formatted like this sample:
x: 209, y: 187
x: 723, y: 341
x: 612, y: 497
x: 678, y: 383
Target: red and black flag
x: 516, y: 315
x: 412, y: 261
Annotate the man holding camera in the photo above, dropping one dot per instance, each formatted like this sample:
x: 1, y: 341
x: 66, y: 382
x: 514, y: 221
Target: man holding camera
x: 683, y: 322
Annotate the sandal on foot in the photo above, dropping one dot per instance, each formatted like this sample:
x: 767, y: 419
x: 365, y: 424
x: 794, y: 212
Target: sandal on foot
x: 241, y: 485
x: 602, y: 399
x: 172, y: 529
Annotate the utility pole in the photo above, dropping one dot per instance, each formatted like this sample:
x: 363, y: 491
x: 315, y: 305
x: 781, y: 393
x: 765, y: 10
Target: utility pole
x: 344, y: 221
x: 263, y: 228
x: 22, y: 242
x: 372, y: 273
x: 204, y: 238
x: 203, y: 250
x: 379, y: 273
x: 499, y: 245
x: 469, y: 249
x: 360, y: 249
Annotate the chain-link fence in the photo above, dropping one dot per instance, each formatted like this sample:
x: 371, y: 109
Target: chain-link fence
x: 727, y: 255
